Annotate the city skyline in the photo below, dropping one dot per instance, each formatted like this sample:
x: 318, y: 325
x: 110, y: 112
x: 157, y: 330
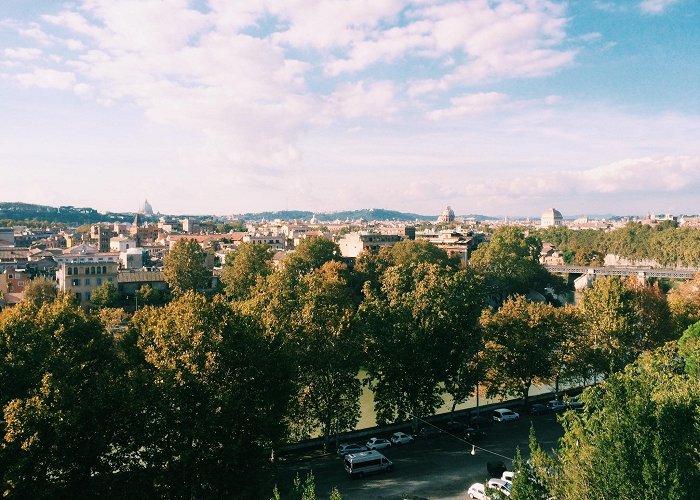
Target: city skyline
x: 490, y: 107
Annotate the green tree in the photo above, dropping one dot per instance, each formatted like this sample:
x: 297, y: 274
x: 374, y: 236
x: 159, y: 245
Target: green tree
x: 684, y: 304
x: 638, y: 437
x: 415, y: 252
x: 510, y: 264
x: 243, y: 268
x: 534, y: 477
x: 184, y: 267
x: 608, y: 309
x: 40, y: 291
x: 328, y: 350
x: 422, y: 316
x: 571, y: 354
x: 311, y: 254
x: 105, y: 295
x: 689, y: 347
x: 218, y: 393
x: 64, y: 404
x: 519, y: 340
x: 149, y: 296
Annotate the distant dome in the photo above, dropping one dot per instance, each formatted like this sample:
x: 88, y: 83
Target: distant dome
x: 447, y: 215
x: 146, y: 208
x: 314, y: 220
x: 551, y: 217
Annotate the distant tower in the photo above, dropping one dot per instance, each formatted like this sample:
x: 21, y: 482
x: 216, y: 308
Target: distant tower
x: 551, y: 217
x: 447, y: 215
x: 146, y: 208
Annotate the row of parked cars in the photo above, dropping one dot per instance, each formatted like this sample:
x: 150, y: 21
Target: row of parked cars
x: 503, y: 485
x: 556, y: 406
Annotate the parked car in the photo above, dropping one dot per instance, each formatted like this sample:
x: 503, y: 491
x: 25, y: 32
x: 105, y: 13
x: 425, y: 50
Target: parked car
x: 471, y: 434
x: 556, y: 406
x: 500, y: 485
x: 377, y: 443
x: 401, y: 438
x: 504, y: 415
x: 429, y: 432
x: 455, y: 427
x: 479, y: 421
x: 347, y: 448
x: 368, y: 462
x: 477, y: 490
x: 539, y: 409
x: 508, y: 476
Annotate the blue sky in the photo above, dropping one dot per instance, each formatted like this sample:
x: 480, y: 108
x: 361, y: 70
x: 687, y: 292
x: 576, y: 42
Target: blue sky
x: 211, y: 106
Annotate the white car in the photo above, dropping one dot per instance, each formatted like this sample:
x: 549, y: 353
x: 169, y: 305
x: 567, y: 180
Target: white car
x: 477, y: 490
x: 500, y: 485
x: 556, y: 406
x: 505, y: 415
x: 377, y: 443
x: 347, y: 448
x: 401, y: 438
x: 508, y: 476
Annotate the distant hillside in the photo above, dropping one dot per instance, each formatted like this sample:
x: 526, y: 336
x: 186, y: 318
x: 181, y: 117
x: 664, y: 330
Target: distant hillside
x: 17, y: 211
x: 367, y: 214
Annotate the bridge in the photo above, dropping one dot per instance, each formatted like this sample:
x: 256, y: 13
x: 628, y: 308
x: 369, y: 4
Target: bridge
x: 588, y: 273
x: 648, y: 272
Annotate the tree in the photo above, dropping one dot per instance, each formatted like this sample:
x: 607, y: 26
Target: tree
x: 423, y: 316
x: 40, y: 291
x: 571, y: 354
x: 64, y: 404
x: 184, y: 267
x: 415, y: 252
x: 311, y: 254
x: 105, y: 295
x: 243, y: 268
x: 328, y: 350
x: 684, y: 304
x: 218, y: 397
x: 608, y: 309
x: 638, y: 436
x: 519, y: 340
x: 149, y: 296
x: 689, y: 348
x: 510, y: 265
x: 533, y: 477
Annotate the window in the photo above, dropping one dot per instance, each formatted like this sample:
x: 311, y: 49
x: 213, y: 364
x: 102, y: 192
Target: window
x: 99, y: 270
x: 75, y: 282
x: 109, y: 280
x: 92, y: 270
x: 75, y: 270
x: 87, y: 295
x: 70, y: 271
x: 104, y: 270
x: 87, y: 282
x: 10, y: 276
x: 98, y: 281
x: 77, y: 296
x: 21, y: 283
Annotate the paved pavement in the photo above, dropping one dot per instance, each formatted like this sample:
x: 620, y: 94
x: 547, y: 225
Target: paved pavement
x: 438, y: 468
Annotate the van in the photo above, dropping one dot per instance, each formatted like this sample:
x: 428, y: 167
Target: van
x: 366, y: 462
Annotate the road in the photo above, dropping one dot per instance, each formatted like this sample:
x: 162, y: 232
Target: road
x: 438, y: 468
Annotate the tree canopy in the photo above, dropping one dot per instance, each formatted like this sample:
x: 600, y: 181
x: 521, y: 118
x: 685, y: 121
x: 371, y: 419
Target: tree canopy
x: 184, y: 268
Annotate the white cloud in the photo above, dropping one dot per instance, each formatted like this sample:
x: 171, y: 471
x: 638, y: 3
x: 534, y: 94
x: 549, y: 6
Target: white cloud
x: 47, y: 79
x: 471, y: 105
x: 361, y: 99
x: 656, y: 6
x: 22, y: 53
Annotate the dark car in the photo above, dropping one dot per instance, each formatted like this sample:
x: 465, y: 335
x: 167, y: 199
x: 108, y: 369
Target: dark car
x: 455, y: 427
x: 429, y: 432
x: 471, y: 434
x: 480, y: 421
x: 538, y: 409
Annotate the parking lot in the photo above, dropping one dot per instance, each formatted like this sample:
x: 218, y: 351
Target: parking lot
x: 437, y: 468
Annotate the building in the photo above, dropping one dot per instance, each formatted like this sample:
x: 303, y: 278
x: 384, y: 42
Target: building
x: 83, y: 268
x: 131, y: 258
x: 13, y: 280
x: 121, y: 243
x: 446, y: 216
x: 146, y: 209
x: 551, y: 218
x: 7, y: 237
x: 101, y: 235
x: 353, y: 244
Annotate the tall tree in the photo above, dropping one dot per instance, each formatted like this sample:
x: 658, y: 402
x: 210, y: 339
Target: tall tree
x: 311, y: 254
x: 415, y: 252
x: 219, y: 396
x: 243, y: 268
x: 184, y: 268
x: 422, y: 316
x: 329, y: 351
x: 105, y: 295
x: 519, y: 340
x: 638, y: 437
x: 64, y: 404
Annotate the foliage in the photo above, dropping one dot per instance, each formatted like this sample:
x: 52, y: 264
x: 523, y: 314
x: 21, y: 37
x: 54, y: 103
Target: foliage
x: 416, y: 252
x: 63, y: 399
x: 533, y: 477
x: 40, y: 291
x: 105, y: 295
x: 422, y: 318
x: 184, y: 267
x: 518, y: 341
x: 510, y: 265
x: 684, y: 304
x: 218, y: 395
x: 149, y: 296
x: 638, y: 436
x: 311, y: 254
x: 689, y: 347
x: 243, y: 268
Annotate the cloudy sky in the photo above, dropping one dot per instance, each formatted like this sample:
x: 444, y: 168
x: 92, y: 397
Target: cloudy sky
x: 220, y: 106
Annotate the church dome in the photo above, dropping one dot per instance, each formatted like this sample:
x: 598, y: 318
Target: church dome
x: 447, y: 215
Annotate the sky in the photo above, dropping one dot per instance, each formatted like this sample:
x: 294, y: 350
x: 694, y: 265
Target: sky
x: 226, y: 107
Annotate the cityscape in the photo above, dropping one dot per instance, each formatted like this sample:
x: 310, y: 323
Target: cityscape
x: 349, y: 249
